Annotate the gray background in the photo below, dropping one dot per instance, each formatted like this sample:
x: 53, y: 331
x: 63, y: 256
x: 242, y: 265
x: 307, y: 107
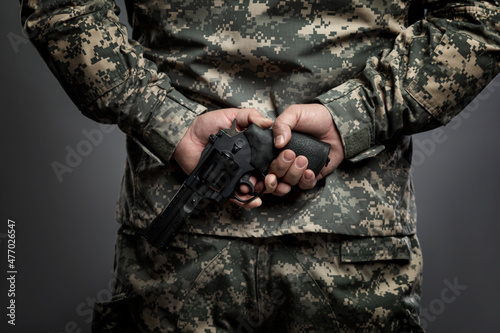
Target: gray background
x: 65, y: 229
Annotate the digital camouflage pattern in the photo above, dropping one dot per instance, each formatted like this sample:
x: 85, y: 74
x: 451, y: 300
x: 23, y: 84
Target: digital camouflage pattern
x: 294, y: 283
x: 347, y: 258
x: 382, y: 78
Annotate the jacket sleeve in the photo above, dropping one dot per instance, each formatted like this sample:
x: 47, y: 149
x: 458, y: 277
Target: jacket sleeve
x: 436, y: 66
x: 105, y: 74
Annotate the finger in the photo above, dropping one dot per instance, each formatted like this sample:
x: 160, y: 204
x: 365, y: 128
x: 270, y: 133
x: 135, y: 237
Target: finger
x: 245, y: 117
x: 248, y: 205
x: 283, y: 125
x: 271, y: 182
x: 296, y: 170
x: 308, y: 180
x: 282, y: 189
x: 246, y: 189
x: 282, y: 163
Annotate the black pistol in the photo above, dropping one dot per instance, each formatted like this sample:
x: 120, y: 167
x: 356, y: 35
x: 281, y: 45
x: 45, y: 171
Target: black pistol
x: 228, y: 161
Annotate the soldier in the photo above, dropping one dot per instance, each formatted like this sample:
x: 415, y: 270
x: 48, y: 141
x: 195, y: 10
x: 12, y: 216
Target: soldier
x: 332, y: 253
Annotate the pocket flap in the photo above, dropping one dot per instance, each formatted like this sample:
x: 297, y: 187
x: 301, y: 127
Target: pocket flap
x: 359, y: 249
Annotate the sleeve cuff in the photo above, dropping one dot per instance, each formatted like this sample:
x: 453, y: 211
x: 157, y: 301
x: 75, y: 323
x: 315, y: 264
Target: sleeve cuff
x: 347, y: 105
x: 166, y: 127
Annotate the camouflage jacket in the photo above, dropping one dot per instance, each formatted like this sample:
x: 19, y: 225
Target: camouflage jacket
x: 383, y: 74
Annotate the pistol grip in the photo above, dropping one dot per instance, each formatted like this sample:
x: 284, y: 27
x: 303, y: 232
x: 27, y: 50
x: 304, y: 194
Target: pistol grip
x: 263, y: 150
x: 316, y: 151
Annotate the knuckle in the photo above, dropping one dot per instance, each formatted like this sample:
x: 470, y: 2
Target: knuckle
x: 279, y: 126
x: 282, y: 189
x: 294, y: 108
x: 292, y: 178
x: 307, y: 184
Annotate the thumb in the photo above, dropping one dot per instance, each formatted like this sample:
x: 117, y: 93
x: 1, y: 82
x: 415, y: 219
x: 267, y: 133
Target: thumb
x: 284, y: 124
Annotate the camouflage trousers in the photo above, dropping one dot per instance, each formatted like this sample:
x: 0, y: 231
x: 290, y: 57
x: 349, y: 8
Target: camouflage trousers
x: 292, y: 283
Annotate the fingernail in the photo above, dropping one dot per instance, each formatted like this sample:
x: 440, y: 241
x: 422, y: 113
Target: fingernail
x: 300, y: 163
x: 279, y: 140
x: 288, y: 156
x: 309, y: 176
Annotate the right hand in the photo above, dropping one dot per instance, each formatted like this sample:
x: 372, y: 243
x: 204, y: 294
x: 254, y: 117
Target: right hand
x: 188, y: 151
x: 287, y: 169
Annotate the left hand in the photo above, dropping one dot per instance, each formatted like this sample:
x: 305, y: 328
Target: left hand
x: 188, y: 151
x: 287, y: 169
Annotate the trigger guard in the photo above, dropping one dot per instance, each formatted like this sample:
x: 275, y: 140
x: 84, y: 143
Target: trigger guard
x: 245, y: 180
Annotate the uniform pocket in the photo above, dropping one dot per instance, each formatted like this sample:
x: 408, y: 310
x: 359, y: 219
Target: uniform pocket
x: 363, y: 249
x: 380, y: 284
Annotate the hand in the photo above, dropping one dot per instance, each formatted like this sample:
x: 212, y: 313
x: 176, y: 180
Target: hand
x: 189, y: 149
x: 287, y: 169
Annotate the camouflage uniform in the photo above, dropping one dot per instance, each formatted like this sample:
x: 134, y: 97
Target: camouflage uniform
x: 384, y: 75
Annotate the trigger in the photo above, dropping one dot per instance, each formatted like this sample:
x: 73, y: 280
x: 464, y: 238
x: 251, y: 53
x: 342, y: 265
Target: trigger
x: 245, y: 180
